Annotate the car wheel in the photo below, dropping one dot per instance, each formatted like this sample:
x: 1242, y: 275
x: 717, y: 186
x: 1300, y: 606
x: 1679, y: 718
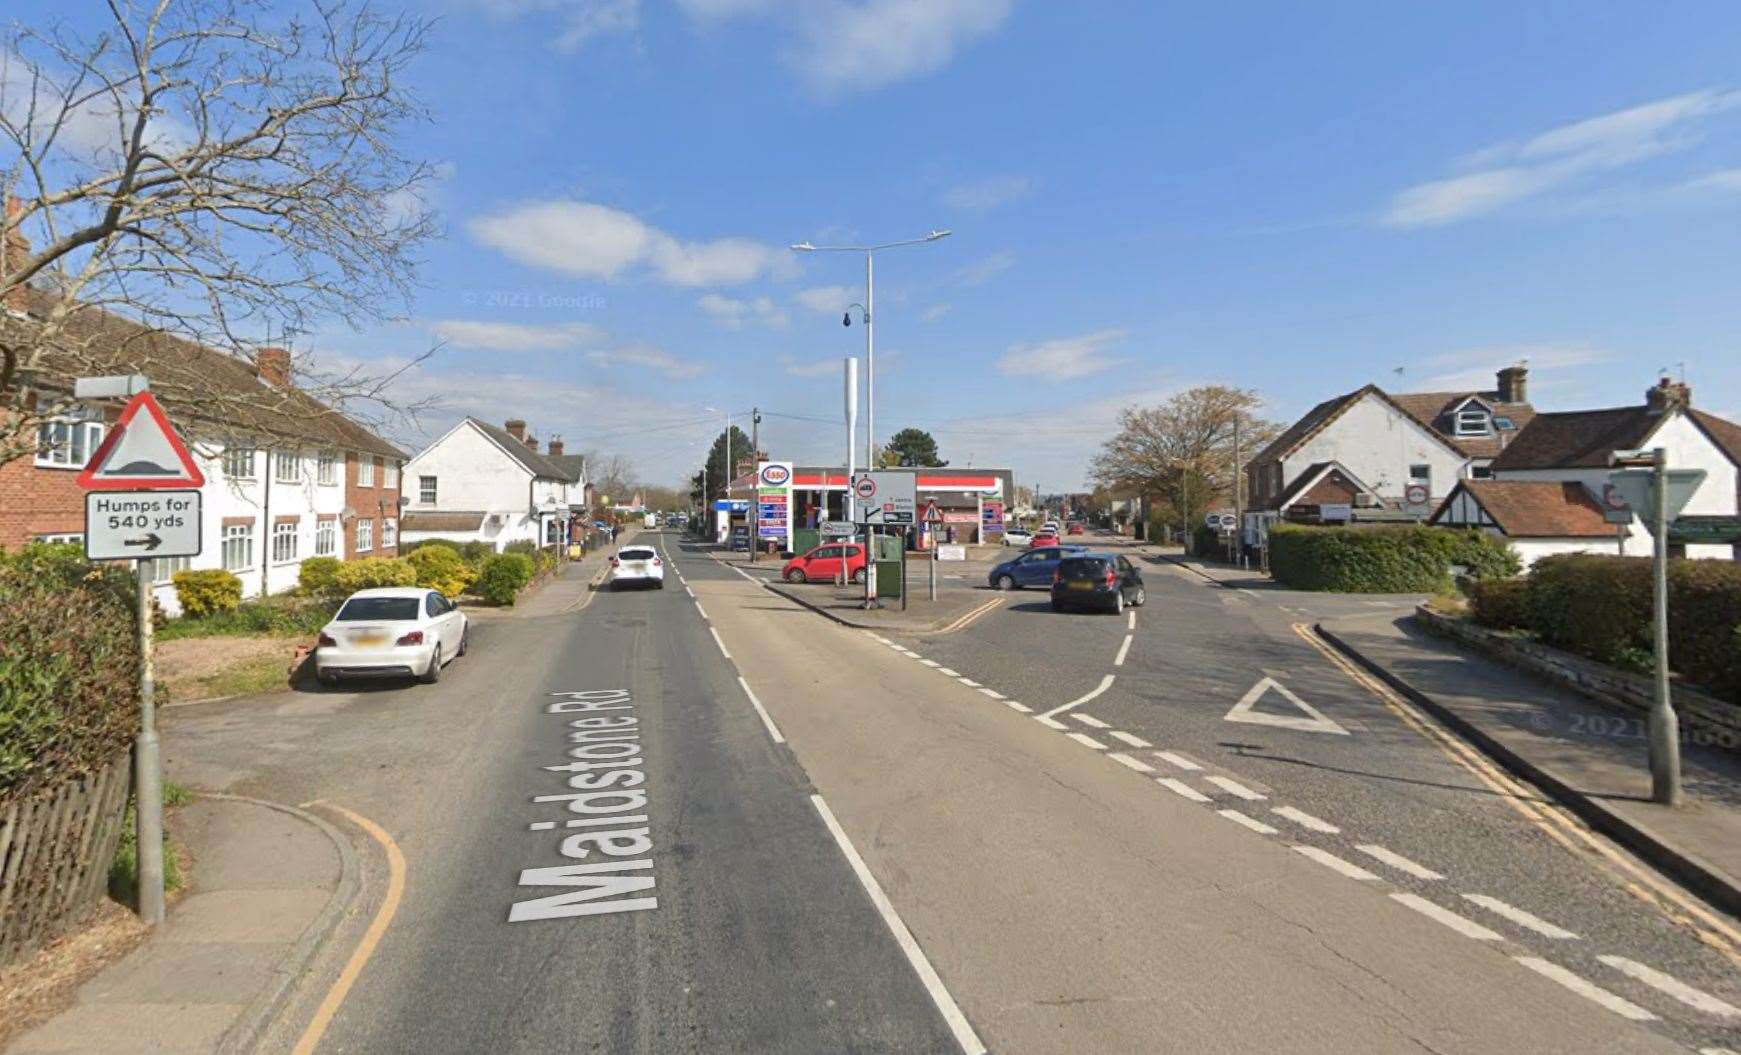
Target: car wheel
x: 465, y: 641
x: 1057, y: 606
x: 659, y: 584
x: 1141, y: 597
x: 1006, y: 582
x: 1118, y: 602
x: 858, y: 576
x: 796, y: 575
x: 433, y: 674
x: 329, y: 679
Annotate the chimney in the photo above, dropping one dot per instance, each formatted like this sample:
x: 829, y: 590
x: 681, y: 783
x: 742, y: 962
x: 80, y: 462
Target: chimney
x: 273, y: 366
x: 14, y: 247
x: 516, y: 428
x: 1514, y: 384
x: 1668, y: 394
x: 532, y: 442
x: 556, y: 446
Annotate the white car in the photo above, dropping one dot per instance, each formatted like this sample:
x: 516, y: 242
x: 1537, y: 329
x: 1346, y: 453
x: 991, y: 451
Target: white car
x: 398, y: 631
x: 637, y: 566
x: 1017, y: 537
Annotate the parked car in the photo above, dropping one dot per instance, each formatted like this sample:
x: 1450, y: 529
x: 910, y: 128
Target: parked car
x: 1017, y: 537
x: 391, y: 632
x: 1044, y: 538
x: 1097, y: 580
x: 1033, y: 568
x: 822, y: 563
x: 1050, y: 525
x: 1075, y: 528
x: 637, y: 566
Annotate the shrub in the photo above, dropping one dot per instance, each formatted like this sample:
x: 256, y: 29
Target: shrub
x: 275, y: 616
x: 1383, y: 559
x: 1500, y: 603
x: 372, y: 572
x: 207, y: 592
x: 319, y: 576
x: 442, y: 569
x: 503, y: 577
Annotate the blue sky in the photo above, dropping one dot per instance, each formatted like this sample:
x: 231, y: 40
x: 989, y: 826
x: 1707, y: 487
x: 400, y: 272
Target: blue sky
x: 1294, y: 198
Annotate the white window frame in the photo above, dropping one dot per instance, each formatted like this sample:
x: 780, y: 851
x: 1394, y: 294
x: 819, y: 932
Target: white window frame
x: 326, y: 469
x: 365, y: 470
x: 68, y: 441
x: 243, y: 535
x: 389, y: 533
x: 233, y: 458
x: 365, y: 535
x: 163, y: 569
x: 285, y: 536
x: 286, y: 467
x: 326, y: 537
x: 428, y: 490
x: 390, y: 474
x: 1473, y: 422
x: 71, y: 538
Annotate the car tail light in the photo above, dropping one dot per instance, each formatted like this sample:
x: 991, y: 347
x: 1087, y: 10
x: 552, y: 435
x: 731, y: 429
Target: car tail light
x: 1058, y: 575
x: 657, y: 563
x: 326, y: 639
x: 1111, y: 577
x: 415, y: 637
x: 613, y: 562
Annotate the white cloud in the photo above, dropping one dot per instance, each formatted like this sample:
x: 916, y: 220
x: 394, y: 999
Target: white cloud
x: 1474, y: 369
x: 990, y: 193
x: 826, y: 299
x: 649, y: 357
x: 1726, y: 179
x: 1513, y: 171
x: 517, y: 337
x: 811, y: 367
x: 985, y: 269
x: 734, y: 314
x: 934, y: 312
x: 588, y: 240
x: 1063, y: 358
x: 861, y: 45
x: 34, y: 95
x: 581, y: 21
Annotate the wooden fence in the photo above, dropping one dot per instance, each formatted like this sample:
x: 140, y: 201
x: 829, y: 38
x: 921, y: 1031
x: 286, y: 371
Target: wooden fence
x: 55, y: 853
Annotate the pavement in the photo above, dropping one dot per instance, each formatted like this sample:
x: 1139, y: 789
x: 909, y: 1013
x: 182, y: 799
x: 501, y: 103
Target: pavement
x: 1594, y: 758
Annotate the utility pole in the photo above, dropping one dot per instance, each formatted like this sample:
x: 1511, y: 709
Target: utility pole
x: 148, y: 766
x: 1665, y: 745
x: 1238, y: 499
x: 756, y: 491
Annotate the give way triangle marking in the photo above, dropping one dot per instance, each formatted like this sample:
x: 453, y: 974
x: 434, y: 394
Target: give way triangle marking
x: 1313, y: 721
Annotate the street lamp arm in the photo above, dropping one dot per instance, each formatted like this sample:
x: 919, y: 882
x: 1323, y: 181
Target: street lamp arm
x: 806, y: 247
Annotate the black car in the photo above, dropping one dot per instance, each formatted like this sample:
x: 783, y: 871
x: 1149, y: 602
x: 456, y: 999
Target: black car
x: 1097, y: 580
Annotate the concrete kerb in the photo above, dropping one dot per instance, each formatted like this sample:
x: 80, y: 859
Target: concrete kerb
x: 955, y: 623
x: 245, y: 1033
x: 1687, y: 869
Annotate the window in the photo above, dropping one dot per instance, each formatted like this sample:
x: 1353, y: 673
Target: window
x: 433, y: 606
x: 284, y: 541
x: 365, y: 535
x: 239, y: 463
x: 389, y: 533
x: 238, y: 547
x: 326, y: 469
x: 71, y: 538
x: 390, y: 475
x: 163, y: 569
x: 365, y: 471
x: 325, y: 537
x: 384, y: 609
x: 67, y: 444
x: 286, y: 467
x: 426, y: 490
x: 1472, y: 422
x: 1481, y: 472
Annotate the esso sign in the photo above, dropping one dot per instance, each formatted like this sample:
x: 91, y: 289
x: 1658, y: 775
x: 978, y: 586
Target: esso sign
x: 774, y: 474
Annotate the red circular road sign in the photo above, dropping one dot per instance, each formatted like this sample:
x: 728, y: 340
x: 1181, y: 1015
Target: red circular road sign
x: 1612, y: 498
x: 865, y: 488
x: 1416, y: 494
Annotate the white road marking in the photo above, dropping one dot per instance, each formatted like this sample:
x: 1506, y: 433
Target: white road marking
x: 1105, y: 683
x: 969, y: 682
x: 993, y: 693
x: 929, y: 662
x: 1623, y: 1008
x: 1178, y: 760
x: 1051, y: 723
x: 1090, y: 720
x: 879, y: 637
x: 688, y: 591
x: 1132, y: 623
x: 1398, y: 861
x: 1466, y: 927
x: 1087, y: 741
x: 1234, y: 787
x: 1244, y: 711
x: 1250, y: 822
x: 700, y: 609
x: 719, y: 641
x: 1527, y: 920
x: 1123, y: 651
x: 1014, y: 706
x: 767, y: 720
x: 1334, y: 863
x: 951, y: 673
x: 1718, y: 1051
x: 1134, y: 741
x: 1305, y: 820
x: 1179, y: 787
x: 1686, y: 994
x: 958, y: 1025
x: 1134, y: 763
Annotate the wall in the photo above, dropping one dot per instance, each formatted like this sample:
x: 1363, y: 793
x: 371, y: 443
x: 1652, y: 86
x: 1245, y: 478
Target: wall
x: 474, y: 475
x: 38, y: 501
x: 374, y: 502
x: 1378, y: 444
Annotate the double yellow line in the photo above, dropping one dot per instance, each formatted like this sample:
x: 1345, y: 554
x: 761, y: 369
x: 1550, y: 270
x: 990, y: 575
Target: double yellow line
x: 1553, y: 820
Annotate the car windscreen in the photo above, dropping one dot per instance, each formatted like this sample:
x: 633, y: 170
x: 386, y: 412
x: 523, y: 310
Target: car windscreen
x: 358, y: 609
x: 635, y: 554
x: 1082, y: 568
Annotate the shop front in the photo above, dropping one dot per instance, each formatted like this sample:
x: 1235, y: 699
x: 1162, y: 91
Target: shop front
x: 969, y: 503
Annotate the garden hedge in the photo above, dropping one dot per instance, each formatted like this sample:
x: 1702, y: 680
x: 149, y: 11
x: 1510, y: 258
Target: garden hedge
x: 372, y: 572
x: 1384, y: 558
x: 319, y: 576
x: 441, y: 569
x: 503, y: 577
x: 207, y: 592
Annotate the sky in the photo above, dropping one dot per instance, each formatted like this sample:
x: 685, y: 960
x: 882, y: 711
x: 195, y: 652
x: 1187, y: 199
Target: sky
x: 1143, y: 196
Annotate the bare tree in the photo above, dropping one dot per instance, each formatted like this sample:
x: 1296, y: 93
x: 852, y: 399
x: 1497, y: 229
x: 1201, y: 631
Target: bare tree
x: 611, y: 474
x: 1180, y: 453
x: 210, y: 171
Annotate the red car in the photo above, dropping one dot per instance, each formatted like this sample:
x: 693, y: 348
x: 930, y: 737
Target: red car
x: 1075, y: 528
x: 1044, y: 538
x: 823, y: 563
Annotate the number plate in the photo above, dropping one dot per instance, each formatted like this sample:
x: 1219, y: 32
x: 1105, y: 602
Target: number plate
x: 1081, y: 586
x: 368, y: 640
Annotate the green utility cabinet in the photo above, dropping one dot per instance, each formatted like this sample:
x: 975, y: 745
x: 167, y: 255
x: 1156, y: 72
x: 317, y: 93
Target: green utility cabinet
x: 888, y: 552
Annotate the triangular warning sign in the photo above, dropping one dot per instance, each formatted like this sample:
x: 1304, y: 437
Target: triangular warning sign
x: 141, y: 452
x: 1315, y: 722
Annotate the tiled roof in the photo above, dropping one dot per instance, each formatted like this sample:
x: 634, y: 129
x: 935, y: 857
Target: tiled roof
x: 571, y: 464
x: 441, y: 521
x: 537, y: 464
x: 1540, y: 508
x: 1577, y: 438
x: 1723, y: 432
x: 197, y: 385
x: 1435, y: 411
x: 1309, y: 423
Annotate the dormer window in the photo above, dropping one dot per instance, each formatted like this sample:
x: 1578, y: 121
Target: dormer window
x: 1473, y: 420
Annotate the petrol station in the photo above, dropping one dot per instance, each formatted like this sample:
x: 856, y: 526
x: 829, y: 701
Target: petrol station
x: 785, y: 504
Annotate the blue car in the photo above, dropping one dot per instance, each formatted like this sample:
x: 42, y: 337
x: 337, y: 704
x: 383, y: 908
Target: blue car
x: 1033, y: 568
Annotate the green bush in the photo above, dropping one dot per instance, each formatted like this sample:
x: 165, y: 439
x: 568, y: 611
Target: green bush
x: 273, y: 616
x: 69, y: 668
x: 1383, y: 559
x: 207, y: 592
x: 503, y: 577
x: 442, y: 569
x: 1500, y: 603
x: 373, y: 572
x: 319, y: 576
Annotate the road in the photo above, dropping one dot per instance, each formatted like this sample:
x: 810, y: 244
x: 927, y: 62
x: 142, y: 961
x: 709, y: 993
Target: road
x: 875, y: 853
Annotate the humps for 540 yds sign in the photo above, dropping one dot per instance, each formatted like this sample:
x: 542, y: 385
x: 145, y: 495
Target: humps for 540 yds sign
x: 131, y: 511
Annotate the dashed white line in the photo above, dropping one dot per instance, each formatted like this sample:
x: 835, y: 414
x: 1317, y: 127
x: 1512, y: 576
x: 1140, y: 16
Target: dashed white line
x: 1178, y: 760
x: 1105, y: 683
x: 1123, y: 651
x: 1179, y: 787
x: 720, y: 641
x: 1589, y: 991
x: 1305, y: 820
x: 1250, y: 822
x: 768, y: 721
x: 1090, y: 720
x: 1526, y: 920
x: 1398, y: 861
x: 878, y: 637
x: 1686, y: 994
x: 1014, y: 706
x: 969, y: 682
x: 1133, y: 763
x: 929, y: 662
x: 1336, y: 864
x: 948, y: 672
x: 1134, y: 741
x: 700, y: 609
x: 1087, y: 741
x: 958, y: 1025
x: 1466, y: 927
x: 1132, y: 623
x: 1234, y: 787
x: 993, y: 693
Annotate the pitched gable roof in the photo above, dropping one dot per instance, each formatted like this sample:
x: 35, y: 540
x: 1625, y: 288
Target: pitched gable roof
x: 1309, y: 479
x: 571, y: 464
x: 1310, y: 423
x: 1536, y: 508
x: 538, y: 465
x: 1437, y: 411
x: 1723, y: 432
x: 1577, y: 438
